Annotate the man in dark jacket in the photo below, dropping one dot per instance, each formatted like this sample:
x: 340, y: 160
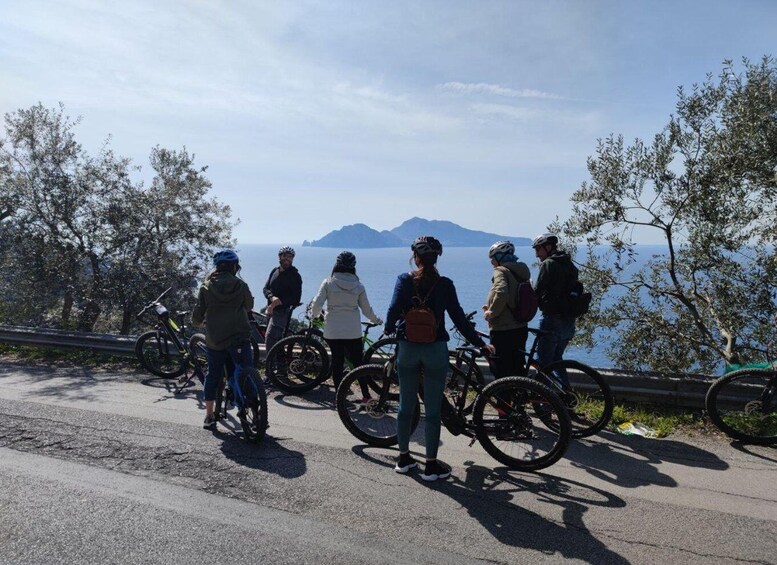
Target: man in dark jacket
x: 283, y: 291
x: 554, y: 282
x: 223, y: 303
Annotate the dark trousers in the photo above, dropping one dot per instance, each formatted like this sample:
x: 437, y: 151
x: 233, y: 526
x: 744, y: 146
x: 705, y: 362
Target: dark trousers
x: 342, y: 348
x: 510, y: 346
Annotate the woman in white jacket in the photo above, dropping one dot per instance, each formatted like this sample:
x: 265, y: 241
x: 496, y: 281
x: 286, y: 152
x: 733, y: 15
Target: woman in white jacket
x: 344, y: 296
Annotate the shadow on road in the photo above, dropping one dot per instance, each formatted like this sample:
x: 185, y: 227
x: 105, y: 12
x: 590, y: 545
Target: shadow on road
x: 493, y: 498
x: 632, y: 461
x: 64, y: 382
x: 321, y: 398
x: 269, y: 456
x: 765, y: 452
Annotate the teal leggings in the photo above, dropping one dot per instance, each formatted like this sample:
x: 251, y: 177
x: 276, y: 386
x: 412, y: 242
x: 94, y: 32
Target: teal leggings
x: 411, y: 359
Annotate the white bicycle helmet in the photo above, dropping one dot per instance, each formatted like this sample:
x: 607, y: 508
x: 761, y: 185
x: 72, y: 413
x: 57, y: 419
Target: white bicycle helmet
x: 501, y: 247
x: 546, y: 238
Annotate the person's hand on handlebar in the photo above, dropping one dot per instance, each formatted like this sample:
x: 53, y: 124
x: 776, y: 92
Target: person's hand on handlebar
x: 488, y: 350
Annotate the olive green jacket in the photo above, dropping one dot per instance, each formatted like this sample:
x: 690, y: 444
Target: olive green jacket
x: 503, y: 296
x: 222, y: 307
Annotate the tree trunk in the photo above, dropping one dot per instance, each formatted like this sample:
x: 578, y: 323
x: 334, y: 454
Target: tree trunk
x: 88, y: 317
x: 67, y: 309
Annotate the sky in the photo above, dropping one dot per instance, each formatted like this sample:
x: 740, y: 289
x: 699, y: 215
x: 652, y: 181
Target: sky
x: 314, y: 115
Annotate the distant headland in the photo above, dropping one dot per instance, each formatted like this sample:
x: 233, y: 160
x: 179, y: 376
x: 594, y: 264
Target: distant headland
x: 361, y: 236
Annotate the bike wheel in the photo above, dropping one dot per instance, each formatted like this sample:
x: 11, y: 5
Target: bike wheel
x: 588, y: 397
x: 381, y: 350
x: 505, y: 428
x: 253, y: 413
x: 743, y: 404
x: 368, y: 405
x: 296, y: 364
x: 159, y: 356
x: 459, y: 388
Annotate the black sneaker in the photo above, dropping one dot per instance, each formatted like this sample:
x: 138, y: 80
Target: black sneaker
x: 405, y: 462
x: 435, y: 469
x: 209, y: 423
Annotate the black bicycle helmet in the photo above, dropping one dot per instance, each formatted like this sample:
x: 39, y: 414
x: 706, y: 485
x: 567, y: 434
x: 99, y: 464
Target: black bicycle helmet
x: 546, y: 238
x: 346, y: 259
x: 225, y: 256
x: 286, y: 249
x: 426, y: 244
x: 501, y: 247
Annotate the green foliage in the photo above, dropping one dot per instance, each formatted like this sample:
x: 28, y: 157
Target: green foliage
x: 706, y: 186
x: 83, y: 244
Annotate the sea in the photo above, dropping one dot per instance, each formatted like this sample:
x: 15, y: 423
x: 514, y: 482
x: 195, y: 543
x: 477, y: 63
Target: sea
x: 468, y: 267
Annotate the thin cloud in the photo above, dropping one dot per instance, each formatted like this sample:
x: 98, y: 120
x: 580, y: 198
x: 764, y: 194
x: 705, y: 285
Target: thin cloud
x: 495, y: 90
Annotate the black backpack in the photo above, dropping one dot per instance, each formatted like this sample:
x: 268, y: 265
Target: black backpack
x: 578, y: 300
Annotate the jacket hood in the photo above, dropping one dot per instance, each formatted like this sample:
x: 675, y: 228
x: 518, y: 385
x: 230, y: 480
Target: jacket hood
x: 225, y: 287
x: 518, y: 269
x: 345, y: 281
x: 561, y: 257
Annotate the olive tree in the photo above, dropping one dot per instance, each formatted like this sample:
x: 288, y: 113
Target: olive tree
x: 704, y: 187
x: 84, y: 244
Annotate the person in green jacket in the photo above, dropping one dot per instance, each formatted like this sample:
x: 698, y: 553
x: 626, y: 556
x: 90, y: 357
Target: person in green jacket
x: 508, y: 335
x: 223, y: 303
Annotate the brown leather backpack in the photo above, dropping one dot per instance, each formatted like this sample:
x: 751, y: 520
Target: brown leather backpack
x: 420, y: 322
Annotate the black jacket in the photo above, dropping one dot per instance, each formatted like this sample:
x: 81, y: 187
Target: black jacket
x: 286, y: 285
x: 554, y: 281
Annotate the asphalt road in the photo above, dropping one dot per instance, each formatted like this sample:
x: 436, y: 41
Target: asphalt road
x: 112, y: 467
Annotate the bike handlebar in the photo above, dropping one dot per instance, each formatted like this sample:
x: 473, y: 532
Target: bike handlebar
x: 152, y: 304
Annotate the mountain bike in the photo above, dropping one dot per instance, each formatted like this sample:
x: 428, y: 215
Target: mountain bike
x: 299, y: 362
x: 163, y: 351
x: 518, y: 421
x: 581, y: 388
x: 244, y: 391
x: 743, y: 403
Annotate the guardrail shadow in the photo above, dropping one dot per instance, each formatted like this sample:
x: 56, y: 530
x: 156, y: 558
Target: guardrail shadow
x: 493, y: 498
x: 631, y: 461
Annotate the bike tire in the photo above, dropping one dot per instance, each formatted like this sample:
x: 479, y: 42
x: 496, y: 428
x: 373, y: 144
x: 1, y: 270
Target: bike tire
x: 253, y: 414
x: 297, y: 364
x: 743, y: 404
x: 373, y: 422
x: 380, y: 351
x: 588, y: 397
x: 507, y: 431
x: 159, y: 356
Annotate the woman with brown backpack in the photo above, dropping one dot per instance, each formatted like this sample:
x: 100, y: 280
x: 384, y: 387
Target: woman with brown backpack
x: 417, y: 314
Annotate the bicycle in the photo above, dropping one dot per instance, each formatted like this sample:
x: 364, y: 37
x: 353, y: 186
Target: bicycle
x: 503, y: 416
x: 245, y: 392
x: 163, y: 351
x: 299, y: 362
x: 581, y: 388
x: 743, y: 403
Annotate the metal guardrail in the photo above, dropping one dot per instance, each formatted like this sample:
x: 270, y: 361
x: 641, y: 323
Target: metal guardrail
x: 686, y: 391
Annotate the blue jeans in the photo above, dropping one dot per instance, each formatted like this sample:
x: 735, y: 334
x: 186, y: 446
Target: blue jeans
x: 551, y: 347
x: 242, y: 357
x: 432, y: 358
